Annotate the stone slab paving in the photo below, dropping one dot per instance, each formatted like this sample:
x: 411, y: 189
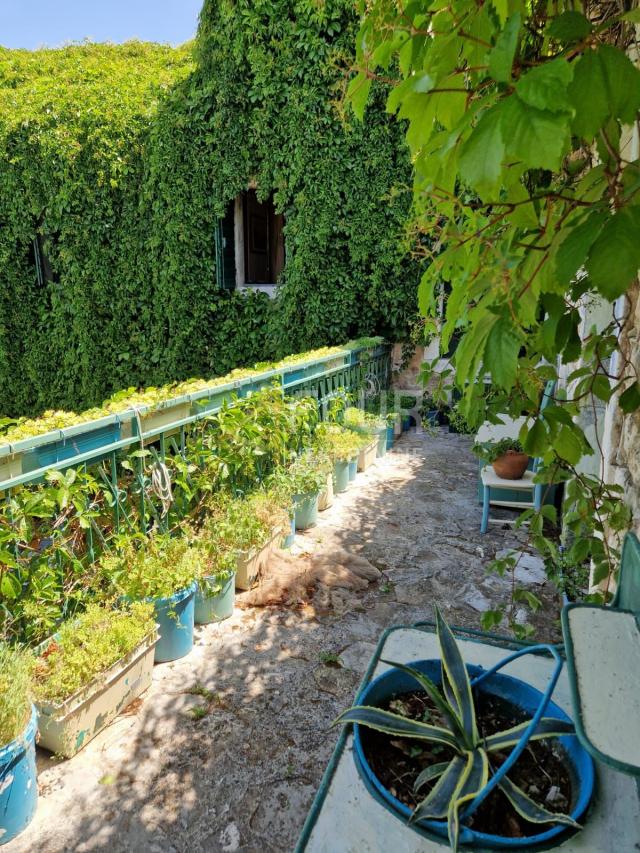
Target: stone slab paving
x: 243, y: 776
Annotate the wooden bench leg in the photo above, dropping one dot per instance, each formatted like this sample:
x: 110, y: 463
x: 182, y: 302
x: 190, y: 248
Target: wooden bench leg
x: 486, y: 500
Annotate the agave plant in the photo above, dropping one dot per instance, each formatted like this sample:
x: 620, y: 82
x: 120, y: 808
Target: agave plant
x: 459, y: 781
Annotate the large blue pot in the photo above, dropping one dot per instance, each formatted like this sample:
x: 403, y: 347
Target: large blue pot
x: 510, y: 689
x: 214, y: 600
x: 341, y: 476
x: 18, y: 782
x: 390, y: 437
x: 175, y: 617
x: 306, y: 511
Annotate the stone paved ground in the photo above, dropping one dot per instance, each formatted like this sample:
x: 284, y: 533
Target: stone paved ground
x: 244, y: 776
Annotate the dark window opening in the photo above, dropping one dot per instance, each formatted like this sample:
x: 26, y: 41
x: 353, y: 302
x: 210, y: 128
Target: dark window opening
x: 40, y: 259
x: 263, y: 240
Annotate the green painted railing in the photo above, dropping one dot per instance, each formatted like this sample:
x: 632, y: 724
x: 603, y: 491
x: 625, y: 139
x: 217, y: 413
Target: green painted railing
x: 167, y: 424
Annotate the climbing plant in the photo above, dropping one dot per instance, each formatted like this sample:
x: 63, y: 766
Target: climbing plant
x: 121, y: 160
x: 527, y: 204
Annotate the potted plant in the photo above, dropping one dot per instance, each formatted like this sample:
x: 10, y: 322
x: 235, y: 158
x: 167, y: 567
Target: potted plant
x: 393, y: 420
x: 442, y: 744
x: 89, y: 671
x: 215, y: 595
x: 18, y: 783
x: 430, y: 411
x: 507, y: 457
x: 367, y: 424
x: 408, y: 403
x: 457, y: 422
x: 280, y: 487
x: 248, y: 528
x: 308, y: 477
x: 162, y: 570
x: 342, y: 447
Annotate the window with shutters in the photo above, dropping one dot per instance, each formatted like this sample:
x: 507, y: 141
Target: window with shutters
x: 250, y: 250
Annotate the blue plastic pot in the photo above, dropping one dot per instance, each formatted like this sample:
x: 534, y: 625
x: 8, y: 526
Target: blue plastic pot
x: 215, y: 606
x: 353, y: 469
x: 306, y: 511
x: 175, y: 617
x: 341, y: 476
x: 18, y: 782
x: 290, y: 538
x: 390, y: 437
x: 509, y: 689
x: 432, y: 417
x: 382, y: 442
x: 406, y: 423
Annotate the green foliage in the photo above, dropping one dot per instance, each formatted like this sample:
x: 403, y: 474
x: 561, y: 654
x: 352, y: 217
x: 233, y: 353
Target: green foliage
x: 489, y: 451
x: 87, y: 646
x: 123, y: 159
x: 527, y: 205
x: 361, y: 421
x: 16, y: 668
x: 238, y: 525
x: 342, y: 445
x: 52, y: 533
x: 248, y: 440
x: 308, y: 473
x: 154, y: 566
x: 469, y: 768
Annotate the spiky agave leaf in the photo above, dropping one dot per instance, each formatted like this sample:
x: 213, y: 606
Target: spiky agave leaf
x: 432, y: 691
x: 429, y: 773
x: 436, y: 804
x: 547, y: 727
x: 530, y: 810
x: 395, y: 724
x: 475, y: 780
x: 455, y: 681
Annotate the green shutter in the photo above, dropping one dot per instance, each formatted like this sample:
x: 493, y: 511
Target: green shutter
x: 225, y: 250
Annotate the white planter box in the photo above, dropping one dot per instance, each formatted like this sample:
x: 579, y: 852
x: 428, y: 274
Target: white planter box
x: 67, y: 726
x: 325, y: 499
x: 367, y: 455
x: 251, y: 564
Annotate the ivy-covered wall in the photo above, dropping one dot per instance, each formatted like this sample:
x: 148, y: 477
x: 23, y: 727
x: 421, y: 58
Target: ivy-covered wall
x: 123, y: 158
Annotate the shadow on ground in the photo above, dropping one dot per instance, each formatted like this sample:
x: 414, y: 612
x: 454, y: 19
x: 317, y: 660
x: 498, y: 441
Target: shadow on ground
x: 243, y: 776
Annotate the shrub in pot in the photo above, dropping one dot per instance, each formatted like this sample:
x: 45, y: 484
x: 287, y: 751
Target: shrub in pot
x: 90, y: 670
x: 457, y: 422
x: 436, y: 746
x: 18, y: 784
x: 507, y: 457
x: 430, y: 411
x: 248, y: 528
x: 215, y: 595
x: 367, y: 424
x: 160, y: 569
x: 342, y: 447
x: 393, y: 421
x: 308, y: 477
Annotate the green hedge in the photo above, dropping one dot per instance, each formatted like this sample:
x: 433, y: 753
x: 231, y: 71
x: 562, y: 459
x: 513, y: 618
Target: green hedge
x: 123, y: 158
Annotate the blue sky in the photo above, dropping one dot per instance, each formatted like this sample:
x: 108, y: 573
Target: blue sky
x: 36, y: 23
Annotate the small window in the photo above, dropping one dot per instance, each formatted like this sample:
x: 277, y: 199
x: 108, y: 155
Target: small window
x: 263, y: 240
x: 39, y: 257
x: 250, y: 251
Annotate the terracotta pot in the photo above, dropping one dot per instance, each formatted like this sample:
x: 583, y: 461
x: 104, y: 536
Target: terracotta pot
x: 511, y: 466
